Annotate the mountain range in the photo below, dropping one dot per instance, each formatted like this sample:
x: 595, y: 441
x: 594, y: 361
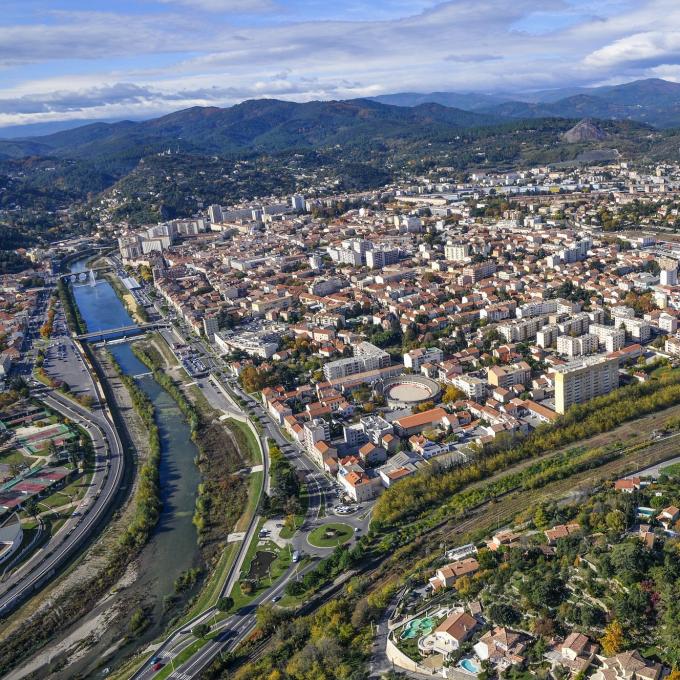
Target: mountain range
x: 265, y: 146
x: 270, y: 125
x: 259, y: 126
x: 653, y: 101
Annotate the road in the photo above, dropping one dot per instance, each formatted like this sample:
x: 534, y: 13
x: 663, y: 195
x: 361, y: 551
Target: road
x: 109, y: 463
x: 321, y: 488
x: 107, y: 476
x: 237, y: 627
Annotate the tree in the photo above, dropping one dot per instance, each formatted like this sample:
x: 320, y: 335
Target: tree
x: 201, y: 630
x: 224, y: 604
x: 463, y: 585
x: 451, y: 394
x: 616, y: 521
x: 250, y: 379
x: 267, y: 617
x: 612, y: 640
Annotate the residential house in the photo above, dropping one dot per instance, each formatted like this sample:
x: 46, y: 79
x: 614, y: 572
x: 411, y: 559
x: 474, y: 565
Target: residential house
x: 668, y: 516
x: 453, y: 632
x: 446, y: 576
x: 576, y: 652
x: 502, y: 647
x: 627, y: 666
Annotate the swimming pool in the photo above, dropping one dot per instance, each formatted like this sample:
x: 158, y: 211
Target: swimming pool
x: 470, y: 665
x: 418, y: 627
x: 645, y: 512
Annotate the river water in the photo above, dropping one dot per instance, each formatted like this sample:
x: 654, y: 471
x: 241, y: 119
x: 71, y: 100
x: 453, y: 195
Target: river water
x: 173, y: 547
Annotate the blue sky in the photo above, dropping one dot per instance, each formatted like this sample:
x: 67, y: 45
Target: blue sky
x: 89, y: 59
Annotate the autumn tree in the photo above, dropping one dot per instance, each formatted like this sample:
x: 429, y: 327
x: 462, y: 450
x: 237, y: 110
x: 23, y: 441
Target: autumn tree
x: 612, y: 640
x: 451, y: 394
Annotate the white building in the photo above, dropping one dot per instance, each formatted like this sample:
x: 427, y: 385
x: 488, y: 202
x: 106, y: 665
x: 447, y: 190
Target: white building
x: 367, y: 357
x: 297, y: 202
x: 417, y: 357
x: 579, y: 346
x: 456, y: 252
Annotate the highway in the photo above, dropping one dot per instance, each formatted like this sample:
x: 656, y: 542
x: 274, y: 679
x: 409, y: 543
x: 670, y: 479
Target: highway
x: 109, y: 466
x: 107, y: 476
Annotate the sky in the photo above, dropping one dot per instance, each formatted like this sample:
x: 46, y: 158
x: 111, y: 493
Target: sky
x: 91, y: 59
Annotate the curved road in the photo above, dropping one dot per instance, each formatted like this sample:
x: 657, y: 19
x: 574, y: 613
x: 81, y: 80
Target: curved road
x: 108, y: 473
x: 233, y: 630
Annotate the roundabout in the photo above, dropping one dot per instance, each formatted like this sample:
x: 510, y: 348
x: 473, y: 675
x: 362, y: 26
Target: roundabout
x: 330, y: 535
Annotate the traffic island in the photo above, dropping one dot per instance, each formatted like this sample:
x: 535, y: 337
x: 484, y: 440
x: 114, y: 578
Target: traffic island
x: 330, y: 535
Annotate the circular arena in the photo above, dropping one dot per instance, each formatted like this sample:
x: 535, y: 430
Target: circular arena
x: 408, y: 390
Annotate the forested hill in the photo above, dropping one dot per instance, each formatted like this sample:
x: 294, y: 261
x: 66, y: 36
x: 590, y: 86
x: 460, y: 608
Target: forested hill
x: 264, y: 147
x: 262, y: 125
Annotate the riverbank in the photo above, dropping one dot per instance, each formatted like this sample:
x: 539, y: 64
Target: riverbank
x: 134, y: 309
x: 223, y: 492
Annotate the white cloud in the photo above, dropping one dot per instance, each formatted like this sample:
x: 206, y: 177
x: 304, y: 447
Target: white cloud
x: 228, y: 6
x: 185, y: 57
x: 642, y: 48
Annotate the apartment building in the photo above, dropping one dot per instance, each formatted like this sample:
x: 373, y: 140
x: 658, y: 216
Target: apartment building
x: 473, y: 388
x: 507, y: 376
x: 367, y: 357
x: 579, y: 346
x: 638, y: 329
x: 672, y: 346
x: 610, y: 337
x: 521, y: 329
x: 477, y: 272
x: 456, y: 252
x: 382, y: 256
x: 417, y: 357
x: 581, y: 380
x: 547, y: 336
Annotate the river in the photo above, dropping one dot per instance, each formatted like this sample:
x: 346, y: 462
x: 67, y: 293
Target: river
x: 173, y: 547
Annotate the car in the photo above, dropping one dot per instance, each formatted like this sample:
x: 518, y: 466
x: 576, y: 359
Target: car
x: 157, y: 666
x: 276, y: 598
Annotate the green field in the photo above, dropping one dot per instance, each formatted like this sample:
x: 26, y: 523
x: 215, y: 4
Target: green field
x: 331, y: 535
x: 671, y: 470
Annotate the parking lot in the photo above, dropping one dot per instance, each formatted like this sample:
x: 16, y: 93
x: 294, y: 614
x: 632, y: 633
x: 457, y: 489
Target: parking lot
x: 62, y: 362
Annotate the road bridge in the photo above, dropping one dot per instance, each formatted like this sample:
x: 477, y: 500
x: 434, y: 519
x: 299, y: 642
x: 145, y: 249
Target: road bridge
x: 132, y: 329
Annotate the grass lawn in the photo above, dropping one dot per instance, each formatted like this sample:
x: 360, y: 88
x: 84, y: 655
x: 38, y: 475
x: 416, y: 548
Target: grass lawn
x: 13, y: 456
x: 331, y: 535
x: 249, y: 438
x: 410, y: 648
x: 210, y: 592
x: 277, y: 568
x: 56, y: 500
x: 671, y: 470
x: 254, y: 490
x: 78, y: 487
